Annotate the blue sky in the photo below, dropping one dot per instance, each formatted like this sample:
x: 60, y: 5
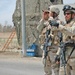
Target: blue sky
x: 68, y: 1
x: 7, y: 8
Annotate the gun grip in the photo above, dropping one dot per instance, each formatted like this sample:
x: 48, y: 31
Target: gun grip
x: 71, y: 68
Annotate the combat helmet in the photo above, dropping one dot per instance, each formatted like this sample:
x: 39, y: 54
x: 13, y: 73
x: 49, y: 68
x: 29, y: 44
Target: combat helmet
x: 54, y: 9
x: 68, y: 7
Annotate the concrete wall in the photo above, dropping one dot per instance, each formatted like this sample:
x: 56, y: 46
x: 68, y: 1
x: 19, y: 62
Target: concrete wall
x: 33, y: 15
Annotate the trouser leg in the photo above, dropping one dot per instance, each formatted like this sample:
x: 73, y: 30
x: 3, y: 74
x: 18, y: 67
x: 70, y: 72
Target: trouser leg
x: 72, y: 63
x: 66, y: 70
x: 47, y: 67
x: 54, y: 66
x: 56, y: 69
x: 61, y: 71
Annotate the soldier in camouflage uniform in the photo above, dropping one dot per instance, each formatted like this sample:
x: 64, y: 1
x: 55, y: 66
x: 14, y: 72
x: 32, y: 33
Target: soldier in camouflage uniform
x: 42, y: 27
x: 68, y: 35
x: 56, y: 39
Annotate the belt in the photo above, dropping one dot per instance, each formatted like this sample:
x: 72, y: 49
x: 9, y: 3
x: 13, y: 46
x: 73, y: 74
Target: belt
x: 51, y: 51
x: 72, y: 57
x: 54, y: 51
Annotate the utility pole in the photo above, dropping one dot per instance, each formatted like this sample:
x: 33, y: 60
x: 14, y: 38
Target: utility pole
x: 23, y: 27
x: 62, y: 1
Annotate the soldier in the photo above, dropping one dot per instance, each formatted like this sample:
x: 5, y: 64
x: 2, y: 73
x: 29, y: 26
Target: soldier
x: 42, y: 28
x: 54, y: 12
x: 43, y: 24
x: 56, y: 39
x: 68, y: 35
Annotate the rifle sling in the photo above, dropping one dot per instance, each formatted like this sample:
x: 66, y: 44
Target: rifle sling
x: 71, y: 53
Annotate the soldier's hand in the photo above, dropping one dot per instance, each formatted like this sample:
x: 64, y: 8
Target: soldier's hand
x: 53, y: 28
x: 57, y: 62
x: 61, y: 27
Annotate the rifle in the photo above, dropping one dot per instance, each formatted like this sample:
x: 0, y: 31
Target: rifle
x: 63, y: 60
x: 54, y: 23
x: 46, y: 45
x: 62, y: 56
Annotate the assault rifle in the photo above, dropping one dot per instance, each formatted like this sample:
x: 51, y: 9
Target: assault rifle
x: 63, y: 60
x: 46, y: 45
x: 54, y: 23
x: 48, y: 40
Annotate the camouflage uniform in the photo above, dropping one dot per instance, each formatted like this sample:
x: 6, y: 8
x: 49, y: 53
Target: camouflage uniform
x: 54, y: 49
x: 68, y: 34
x: 55, y: 42
x: 42, y: 27
x: 50, y: 61
x: 71, y: 61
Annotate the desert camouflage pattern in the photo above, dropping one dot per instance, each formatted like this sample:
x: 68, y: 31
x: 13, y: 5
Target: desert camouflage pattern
x: 69, y: 35
x: 50, y: 61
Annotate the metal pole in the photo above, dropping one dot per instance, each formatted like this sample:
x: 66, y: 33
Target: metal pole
x: 23, y: 27
x: 62, y: 1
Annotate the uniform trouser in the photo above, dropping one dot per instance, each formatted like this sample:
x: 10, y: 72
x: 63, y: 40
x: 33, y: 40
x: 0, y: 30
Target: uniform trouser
x: 71, y: 62
x: 68, y: 69
x: 51, y: 65
x: 65, y: 71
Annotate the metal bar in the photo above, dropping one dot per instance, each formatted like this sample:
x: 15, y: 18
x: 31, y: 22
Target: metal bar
x: 23, y: 27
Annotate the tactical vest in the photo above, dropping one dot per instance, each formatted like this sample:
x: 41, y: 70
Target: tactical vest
x: 43, y: 29
x: 66, y: 37
x: 69, y: 38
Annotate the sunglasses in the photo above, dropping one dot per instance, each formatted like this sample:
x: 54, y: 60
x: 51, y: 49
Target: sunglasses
x: 46, y: 12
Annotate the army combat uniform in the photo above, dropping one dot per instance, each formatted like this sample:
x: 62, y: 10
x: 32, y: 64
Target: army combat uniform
x: 53, y: 44
x: 56, y: 36
x: 42, y: 27
x: 50, y: 61
x: 68, y: 36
